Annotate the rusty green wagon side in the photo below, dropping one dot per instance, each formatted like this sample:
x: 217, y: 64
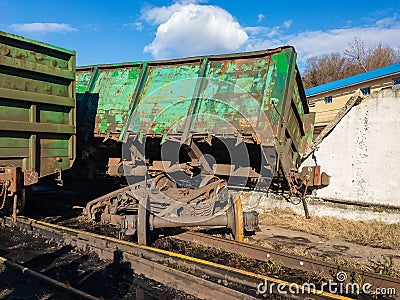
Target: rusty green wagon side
x: 182, y: 132
x: 37, y: 112
x: 148, y: 99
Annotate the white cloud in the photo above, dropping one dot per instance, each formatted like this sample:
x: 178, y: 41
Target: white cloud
x: 135, y: 25
x: 158, y: 15
x: 257, y: 30
x: 260, y: 17
x: 42, y: 27
x: 287, y: 23
x: 192, y: 29
x: 389, y: 21
x: 314, y: 43
x: 262, y: 32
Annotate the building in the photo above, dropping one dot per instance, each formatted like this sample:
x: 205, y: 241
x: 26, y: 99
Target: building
x: 327, y: 99
x: 362, y: 156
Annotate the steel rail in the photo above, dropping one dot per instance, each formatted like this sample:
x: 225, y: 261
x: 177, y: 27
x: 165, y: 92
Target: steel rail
x: 151, y: 262
x: 113, y: 249
x: 77, y: 294
x: 289, y: 260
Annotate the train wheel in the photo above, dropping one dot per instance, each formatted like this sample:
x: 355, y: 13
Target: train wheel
x: 143, y: 218
x: 235, y: 219
x: 239, y: 226
x: 23, y: 197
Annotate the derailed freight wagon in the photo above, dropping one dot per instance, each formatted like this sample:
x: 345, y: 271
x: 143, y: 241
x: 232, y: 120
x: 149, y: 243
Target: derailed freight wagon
x: 198, y: 123
x: 37, y: 115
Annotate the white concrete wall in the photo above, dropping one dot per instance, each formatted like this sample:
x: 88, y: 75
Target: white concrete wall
x: 362, y: 153
x: 263, y: 202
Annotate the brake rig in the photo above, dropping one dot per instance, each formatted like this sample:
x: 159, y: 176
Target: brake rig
x: 160, y: 202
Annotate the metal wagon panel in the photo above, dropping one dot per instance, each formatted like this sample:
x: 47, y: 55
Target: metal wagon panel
x: 37, y: 106
x: 166, y: 92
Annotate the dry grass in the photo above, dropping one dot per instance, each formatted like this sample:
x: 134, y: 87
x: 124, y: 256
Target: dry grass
x: 373, y: 233
x: 303, y: 251
x: 383, y: 266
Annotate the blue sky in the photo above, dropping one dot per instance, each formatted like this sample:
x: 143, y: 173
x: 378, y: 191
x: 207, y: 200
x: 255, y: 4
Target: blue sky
x: 119, y: 31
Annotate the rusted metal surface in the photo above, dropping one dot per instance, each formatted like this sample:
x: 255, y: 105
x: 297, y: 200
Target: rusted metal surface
x: 37, y: 106
x: 142, y: 207
x: 105, y: 94
x: 312, y: 176
x: 11, y: 178
x: 268, y: 76
x: 37, y: 111
x: 255, y: 99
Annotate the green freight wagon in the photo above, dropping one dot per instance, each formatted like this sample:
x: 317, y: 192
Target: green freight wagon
x: 137, y: 100
x: 183, y: 131
x: 37, y: 114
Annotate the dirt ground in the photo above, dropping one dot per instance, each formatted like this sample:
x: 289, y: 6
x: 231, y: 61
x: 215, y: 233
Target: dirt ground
x: 373, y: 233
x: 372, y: 246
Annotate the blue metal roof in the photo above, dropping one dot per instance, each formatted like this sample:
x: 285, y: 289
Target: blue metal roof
x: 395, y: 68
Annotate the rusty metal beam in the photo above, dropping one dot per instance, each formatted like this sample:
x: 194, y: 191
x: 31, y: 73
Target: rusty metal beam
x: 259, y: 53
x: 355, y: 98
x: 36, y: 97
x: 23, y: 40
x: 36, y: 127
x: 40, y: 69
x: 194, y: 105
x: 220, y: 220
x: 135, y: 100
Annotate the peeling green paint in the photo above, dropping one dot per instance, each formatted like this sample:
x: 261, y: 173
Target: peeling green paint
x: 112, y: 94
x: 165, y: 95
x: 281, y: 62
x: 134, y: 73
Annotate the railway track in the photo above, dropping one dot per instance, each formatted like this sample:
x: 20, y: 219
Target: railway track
x: 289, y: 260
x: 198, y: 277
x: 57, y: 285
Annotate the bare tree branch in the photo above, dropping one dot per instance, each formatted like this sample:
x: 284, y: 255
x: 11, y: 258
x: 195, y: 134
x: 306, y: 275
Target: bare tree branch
x: 355, y: 60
